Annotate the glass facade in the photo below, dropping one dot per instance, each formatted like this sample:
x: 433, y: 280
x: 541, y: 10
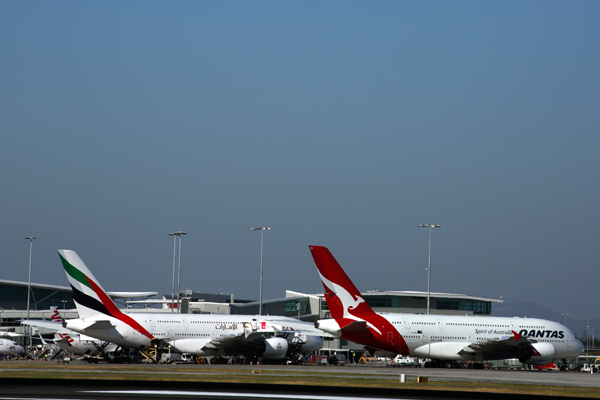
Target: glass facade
x: 291, y: 307
x: 15, y: 298
x: 477, y: 306
x: 383, y: 301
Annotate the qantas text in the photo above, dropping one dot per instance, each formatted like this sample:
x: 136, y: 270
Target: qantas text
x: 542, y: 334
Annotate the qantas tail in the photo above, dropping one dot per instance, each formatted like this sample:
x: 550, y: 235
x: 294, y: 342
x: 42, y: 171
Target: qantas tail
x: 343, y: 298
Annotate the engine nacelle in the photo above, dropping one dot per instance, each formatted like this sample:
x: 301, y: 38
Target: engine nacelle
x: 446, y: 351
x: 329, y: 326
x: 275, y: 348
x: 546, y: 352
x: 304, y: 343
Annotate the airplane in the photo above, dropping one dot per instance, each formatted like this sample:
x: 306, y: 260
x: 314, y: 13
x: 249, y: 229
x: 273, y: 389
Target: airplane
x: 197, y: 334
x: 68, y: 340
x: 7, y: 334
x: 443, y: 338
x: 9, y: 347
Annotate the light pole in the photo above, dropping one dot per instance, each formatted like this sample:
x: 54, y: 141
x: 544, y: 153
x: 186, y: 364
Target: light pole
x: 429, y: 263
x: 175, y: 235
x: 565, y: 314
x: 31, y: 239
x: 262, y: 229
x: 587, y: 338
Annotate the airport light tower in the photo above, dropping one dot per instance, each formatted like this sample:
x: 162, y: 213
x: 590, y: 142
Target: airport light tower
x: 429, y: 264
x: 31, y: 239
x: 175, y: 235
x: 262, y: 229
x: 565, y: 314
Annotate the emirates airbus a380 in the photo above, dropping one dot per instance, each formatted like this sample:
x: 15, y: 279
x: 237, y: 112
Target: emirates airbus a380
x: 269, y: 337
x: 442, y: 338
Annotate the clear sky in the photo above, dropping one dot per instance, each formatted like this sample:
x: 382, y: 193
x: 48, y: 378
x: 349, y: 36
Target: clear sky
x: 341, y: 123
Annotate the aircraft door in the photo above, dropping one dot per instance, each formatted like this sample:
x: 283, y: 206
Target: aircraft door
x: 440, y: 324
x: 390, y: 336
x: 406, y: 323
x: 425, y: 337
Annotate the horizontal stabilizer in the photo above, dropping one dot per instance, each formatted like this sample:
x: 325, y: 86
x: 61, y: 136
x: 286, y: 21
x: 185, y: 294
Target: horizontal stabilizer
x: 96, y: 325
x: 354, y: 326
x: 46, y: 326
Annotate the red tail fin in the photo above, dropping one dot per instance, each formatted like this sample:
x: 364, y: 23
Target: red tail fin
x: 342, y: 296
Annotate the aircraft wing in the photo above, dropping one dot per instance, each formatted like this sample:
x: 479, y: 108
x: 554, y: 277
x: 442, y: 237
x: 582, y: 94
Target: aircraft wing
x: 239, y: 339
x: 10, y: 334
x: 288, y: 325
x: 505, y: 345
x: 51, y: 327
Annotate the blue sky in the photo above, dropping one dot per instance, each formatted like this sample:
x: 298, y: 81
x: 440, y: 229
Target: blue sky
x: 343, y: 124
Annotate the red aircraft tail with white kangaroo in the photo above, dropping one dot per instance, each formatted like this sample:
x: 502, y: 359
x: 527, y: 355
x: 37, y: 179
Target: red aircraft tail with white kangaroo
x: 352, y: 317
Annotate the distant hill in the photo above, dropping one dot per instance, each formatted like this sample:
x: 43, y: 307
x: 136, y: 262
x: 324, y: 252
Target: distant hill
x: 525, y: 309
x: 529, y: 309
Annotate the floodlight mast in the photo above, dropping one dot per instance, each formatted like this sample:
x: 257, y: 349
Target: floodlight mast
x: 175, y: 235
x: 429, y: 264
x: 31, y: 239
x: 262, y: 229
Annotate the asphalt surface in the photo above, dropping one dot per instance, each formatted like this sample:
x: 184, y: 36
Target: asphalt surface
x: 31, y: 388
x: 45, y: 389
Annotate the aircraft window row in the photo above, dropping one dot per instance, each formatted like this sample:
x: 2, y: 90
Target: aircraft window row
x: 448, y: 338
x: 487, y: 325
x: 182, y: 334
x: 532, y: 327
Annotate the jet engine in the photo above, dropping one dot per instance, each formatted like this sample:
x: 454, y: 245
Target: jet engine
x: 275, y: 348
x: 547, y: 352
x: 312, y: 343
x: 303, y: 343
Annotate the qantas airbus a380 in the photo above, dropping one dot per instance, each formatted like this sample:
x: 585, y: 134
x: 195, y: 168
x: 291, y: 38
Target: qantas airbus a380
x: 438, y: 337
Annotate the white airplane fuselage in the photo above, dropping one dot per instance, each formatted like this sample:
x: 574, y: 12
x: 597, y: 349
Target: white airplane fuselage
x: 457, y: 337
x: 81, y: 345
x: 190, y: 333
x: 10, y: 347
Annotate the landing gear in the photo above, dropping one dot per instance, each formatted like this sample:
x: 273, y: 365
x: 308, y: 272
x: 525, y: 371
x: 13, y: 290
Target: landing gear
x: 447, y: 364
x: 476, y: 365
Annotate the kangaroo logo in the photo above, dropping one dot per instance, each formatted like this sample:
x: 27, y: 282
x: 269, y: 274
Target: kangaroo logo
x: 356, y: 302
x: 349, y: 302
